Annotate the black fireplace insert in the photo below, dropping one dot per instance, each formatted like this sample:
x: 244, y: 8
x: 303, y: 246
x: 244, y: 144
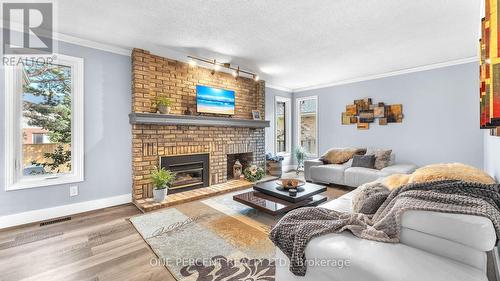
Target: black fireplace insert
x: 192, y: 171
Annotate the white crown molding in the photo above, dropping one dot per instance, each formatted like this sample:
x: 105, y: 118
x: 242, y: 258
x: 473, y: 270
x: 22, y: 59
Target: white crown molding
x: 279, y: 88
x: 389, y: 74
x: 92, y: 44
x: 62, y: 211
x: 78, y: 41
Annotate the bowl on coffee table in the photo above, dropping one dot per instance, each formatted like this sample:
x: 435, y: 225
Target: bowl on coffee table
x: 290, y: 184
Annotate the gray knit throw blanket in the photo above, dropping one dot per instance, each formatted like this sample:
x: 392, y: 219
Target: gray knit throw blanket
x: 292, y: 233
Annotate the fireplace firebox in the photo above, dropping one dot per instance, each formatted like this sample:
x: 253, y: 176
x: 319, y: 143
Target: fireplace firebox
x: 192, y: 171
x: 245, y: 160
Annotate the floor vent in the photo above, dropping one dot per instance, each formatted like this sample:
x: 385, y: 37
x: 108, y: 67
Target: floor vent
x: 55, y: 221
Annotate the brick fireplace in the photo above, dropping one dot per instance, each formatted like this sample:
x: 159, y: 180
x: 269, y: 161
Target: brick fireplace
x: 154, y: 76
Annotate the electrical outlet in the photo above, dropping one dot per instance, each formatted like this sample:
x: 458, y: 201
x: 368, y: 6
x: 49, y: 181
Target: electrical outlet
x: 73, y: 190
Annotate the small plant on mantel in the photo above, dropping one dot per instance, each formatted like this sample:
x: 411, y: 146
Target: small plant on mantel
x: 163, y: 104
x: 162, y: 179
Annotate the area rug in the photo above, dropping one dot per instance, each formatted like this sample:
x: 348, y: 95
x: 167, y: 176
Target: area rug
x: 212, y: 239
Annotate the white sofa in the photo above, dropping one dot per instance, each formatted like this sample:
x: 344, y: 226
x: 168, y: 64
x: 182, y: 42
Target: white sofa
x: 344, y: 174
x: 434, y: 246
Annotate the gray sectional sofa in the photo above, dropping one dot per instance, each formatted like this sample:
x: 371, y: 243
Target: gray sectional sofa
x: 344, y: 174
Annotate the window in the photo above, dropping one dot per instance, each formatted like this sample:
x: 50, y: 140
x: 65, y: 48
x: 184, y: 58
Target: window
x: 44, y: 122
x: 307, y: 125
x: 38, y: 138
x: 282, y: 125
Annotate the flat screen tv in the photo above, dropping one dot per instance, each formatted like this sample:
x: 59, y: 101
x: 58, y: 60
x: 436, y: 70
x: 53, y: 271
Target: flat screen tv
x: 213, y: 100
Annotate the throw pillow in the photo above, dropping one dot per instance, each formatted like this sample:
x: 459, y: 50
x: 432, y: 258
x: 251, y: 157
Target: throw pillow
x: 369, y: 197
x: 454, y: 171
x: 340, y: 155
x: 396, y: 181
x: 382, y: 158
x: 365, y: 161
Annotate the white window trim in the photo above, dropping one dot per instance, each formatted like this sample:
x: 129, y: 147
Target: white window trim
x: 297, y: 110
x: 288, y: 126
x: 13, y: 146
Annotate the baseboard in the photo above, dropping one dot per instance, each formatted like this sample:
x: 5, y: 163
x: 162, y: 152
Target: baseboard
x: 61, y: 211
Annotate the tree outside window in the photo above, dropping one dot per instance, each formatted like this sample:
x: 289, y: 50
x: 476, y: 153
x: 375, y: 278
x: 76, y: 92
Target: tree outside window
x: 46, y: 109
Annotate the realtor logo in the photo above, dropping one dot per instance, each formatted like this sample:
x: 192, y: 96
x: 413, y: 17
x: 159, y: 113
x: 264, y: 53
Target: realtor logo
x: 36, y: 34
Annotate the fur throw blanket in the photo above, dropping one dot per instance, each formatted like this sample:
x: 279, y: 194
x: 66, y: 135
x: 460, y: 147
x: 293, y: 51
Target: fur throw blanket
x: 439, y: 172
x: 292, y: 233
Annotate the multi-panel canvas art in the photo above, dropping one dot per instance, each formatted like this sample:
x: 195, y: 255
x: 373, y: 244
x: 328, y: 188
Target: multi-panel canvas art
x: 363, y: 112
x: 490, y: 67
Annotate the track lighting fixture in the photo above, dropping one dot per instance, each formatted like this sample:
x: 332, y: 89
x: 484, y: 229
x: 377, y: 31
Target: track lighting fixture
x: 236, y: 73
x: 216, y: 66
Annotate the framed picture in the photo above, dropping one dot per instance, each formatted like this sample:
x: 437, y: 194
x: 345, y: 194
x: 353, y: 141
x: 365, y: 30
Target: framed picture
x: 256, y: 114
x: 382, y: 121
x: 490, y: 68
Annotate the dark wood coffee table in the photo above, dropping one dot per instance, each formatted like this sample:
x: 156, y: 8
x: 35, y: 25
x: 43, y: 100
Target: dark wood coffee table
x: 267, y: 198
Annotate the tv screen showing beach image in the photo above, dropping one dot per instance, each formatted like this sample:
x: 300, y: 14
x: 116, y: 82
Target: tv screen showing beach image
x: 212, y: 100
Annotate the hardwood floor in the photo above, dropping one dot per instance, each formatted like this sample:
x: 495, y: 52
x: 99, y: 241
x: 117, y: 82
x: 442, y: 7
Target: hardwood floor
x: 99, y: 245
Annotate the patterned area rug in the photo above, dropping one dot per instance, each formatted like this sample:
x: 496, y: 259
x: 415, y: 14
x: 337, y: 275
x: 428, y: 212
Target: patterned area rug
x: 212, y: 239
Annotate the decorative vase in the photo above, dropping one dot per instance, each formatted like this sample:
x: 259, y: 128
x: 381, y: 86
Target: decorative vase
x: 159, y: 194
x: 237, y: 167
x: 164, y: 109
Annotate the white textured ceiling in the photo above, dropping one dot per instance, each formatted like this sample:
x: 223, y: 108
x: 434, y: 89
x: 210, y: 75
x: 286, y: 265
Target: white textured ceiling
x: 292, y: 44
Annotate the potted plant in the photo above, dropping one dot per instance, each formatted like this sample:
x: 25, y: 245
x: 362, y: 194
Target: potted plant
x: 161, y: 182
x: 163, y: 104
x: 300, y: 155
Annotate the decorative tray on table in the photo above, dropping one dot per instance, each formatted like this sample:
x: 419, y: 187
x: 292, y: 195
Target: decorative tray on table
x: 287, y: 184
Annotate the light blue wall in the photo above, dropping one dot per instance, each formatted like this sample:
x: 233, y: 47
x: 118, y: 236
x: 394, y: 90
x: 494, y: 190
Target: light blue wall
x: 441, y: 116
x: 107, y: 135
x: 271, y: 94
x: 492, y: 155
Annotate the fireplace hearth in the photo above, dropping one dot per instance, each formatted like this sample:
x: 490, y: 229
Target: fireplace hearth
x: 192, y: 171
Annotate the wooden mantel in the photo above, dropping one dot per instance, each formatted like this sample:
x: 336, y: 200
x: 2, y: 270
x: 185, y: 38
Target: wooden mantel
x: 193, y: 120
